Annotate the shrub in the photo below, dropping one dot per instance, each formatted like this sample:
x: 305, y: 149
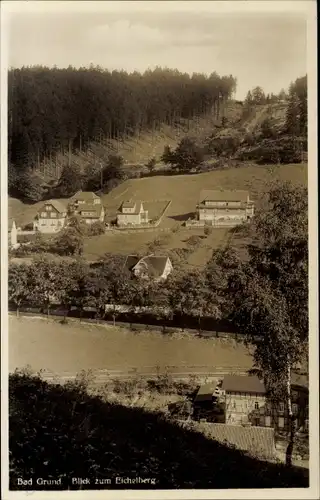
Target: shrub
x: 96, y: 228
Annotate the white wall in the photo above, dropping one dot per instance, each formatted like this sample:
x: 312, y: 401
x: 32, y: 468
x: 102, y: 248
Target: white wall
x: 124, y: 219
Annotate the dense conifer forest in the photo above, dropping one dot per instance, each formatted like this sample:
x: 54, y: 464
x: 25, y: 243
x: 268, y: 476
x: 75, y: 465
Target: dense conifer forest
x: 51, y: 110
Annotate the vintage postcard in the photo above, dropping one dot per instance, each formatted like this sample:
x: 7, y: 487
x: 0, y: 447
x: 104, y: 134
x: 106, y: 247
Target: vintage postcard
x: 159, y: 250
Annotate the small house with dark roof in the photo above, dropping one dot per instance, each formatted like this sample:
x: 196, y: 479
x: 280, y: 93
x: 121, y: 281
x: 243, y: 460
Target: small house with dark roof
x: 51, y: 217
x: 132, y: 213
x: 245, y: 396
x: 224, y: 207
x: 152, y: 267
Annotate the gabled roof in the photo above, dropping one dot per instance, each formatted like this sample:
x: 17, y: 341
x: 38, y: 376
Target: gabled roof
x: 87, y: 196
x: 131, y: 261
x: 257, y: 440
x: 128, y: 204
x: 205, y: 393
x: 137, y: 205
x: 240, y: 383
x: 155, y: 265
x: 223, y: 195
x: 57, y: 204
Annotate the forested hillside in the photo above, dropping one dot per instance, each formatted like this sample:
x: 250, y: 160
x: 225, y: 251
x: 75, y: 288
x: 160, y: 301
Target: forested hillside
x: 66, y: 126
x: 52, y: 109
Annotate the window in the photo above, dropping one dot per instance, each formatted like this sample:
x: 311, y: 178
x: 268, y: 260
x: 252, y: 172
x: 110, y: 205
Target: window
x: 234, y: 405
x: 43, y: 214
x: 281, y: 422
x: 48, y: 208
x: 53, y: 214
x: 281, y: 407
x: 256, y: 405
x: 268, y: 421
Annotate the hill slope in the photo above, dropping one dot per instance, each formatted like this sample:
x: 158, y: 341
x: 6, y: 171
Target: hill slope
x: 139, y: 149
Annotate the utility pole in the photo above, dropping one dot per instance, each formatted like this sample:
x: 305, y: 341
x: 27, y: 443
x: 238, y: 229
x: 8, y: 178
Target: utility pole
x: 101, y: 176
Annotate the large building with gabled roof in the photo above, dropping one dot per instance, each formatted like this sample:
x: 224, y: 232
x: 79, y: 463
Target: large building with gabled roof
x: 224, y: 207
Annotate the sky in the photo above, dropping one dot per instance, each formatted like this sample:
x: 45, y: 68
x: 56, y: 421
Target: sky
x: 260, y: 43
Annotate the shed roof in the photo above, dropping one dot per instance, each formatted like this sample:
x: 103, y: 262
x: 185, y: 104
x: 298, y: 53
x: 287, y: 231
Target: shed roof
x: 223, y: 195
x: 205, y: 393
x: 240, y: 383
x: 257, y: 440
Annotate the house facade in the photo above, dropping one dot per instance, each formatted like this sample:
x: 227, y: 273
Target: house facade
x: 224, y: 208
x: 90, y: 213
x: 243, y: 396
x: 247, y: 403
x: 51, y: 217
x: 132, y: 213
x: 276, y: 414
x: 152, y: 267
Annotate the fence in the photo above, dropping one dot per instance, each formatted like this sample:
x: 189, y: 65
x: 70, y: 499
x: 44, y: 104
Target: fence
x: 142, y: 322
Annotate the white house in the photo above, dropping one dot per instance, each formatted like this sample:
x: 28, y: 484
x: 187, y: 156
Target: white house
x: 51, y: 217
x: 132, y: 213
x: 224, y: 208
x: 150, y: 267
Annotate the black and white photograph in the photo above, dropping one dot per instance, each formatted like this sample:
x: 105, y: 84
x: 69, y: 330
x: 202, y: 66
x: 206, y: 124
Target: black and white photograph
x: 159, y: 249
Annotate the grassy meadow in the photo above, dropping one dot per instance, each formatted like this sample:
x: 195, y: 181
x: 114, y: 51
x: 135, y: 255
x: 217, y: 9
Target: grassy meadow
x: 183, y: 191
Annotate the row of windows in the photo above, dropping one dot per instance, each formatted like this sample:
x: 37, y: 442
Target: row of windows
x: 44, y: 214
x: 53, y: 223
x: 281, y: 406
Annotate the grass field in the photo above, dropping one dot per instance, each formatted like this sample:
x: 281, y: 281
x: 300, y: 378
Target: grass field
x: 47, y: 344
x: 183, y: 191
